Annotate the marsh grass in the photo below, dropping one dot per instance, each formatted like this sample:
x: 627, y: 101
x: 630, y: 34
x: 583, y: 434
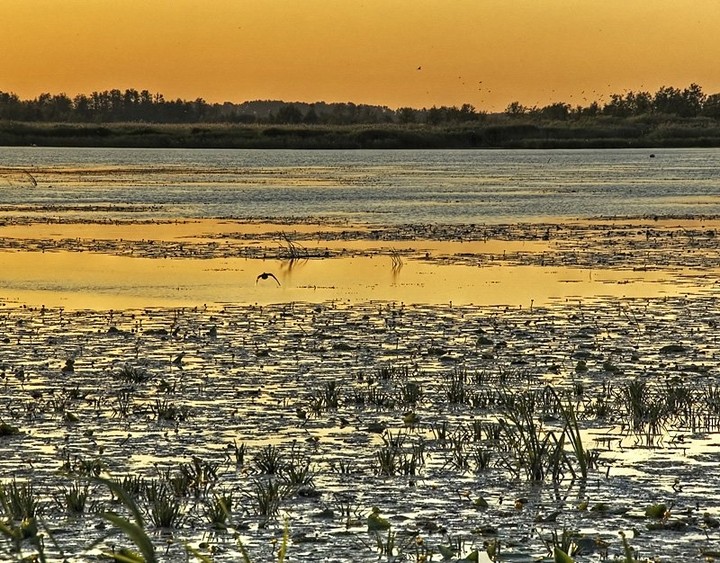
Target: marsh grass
x: 269, y: 460
x: 586, y: 460
x: 123, y: 403
x: 134, y: 485
x: 564, y: 542
x: 19, y: 500
x: 165, y: 508
x: 218, y: 510
x: 398, y: 456
x: 524, y: 436
x: 133, y: 528
x: 239, y: 452
x: 73, y: 498
x: 265, y: 497
x: 201, y: 475
x: 166, y: 410
x: 132, y: 374
x: 456, y: 389
x: 297, y: 472
x: 8, y: 430
x: 537, y: 453
x: 409, y: 393
x: 281, y: 552
x: 331, y: 395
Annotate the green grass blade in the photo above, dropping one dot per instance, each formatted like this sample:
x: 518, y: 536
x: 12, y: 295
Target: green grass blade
x: 283, y: 547
x: 559, y: 556
x: 192, y: 551
x: 126, y: 499
x: 136, y: 534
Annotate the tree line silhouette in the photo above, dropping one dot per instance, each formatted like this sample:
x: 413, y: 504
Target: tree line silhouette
x: 131, y: 105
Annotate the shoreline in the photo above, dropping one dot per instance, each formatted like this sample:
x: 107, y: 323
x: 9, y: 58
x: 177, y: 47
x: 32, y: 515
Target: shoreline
x: 662, y: 131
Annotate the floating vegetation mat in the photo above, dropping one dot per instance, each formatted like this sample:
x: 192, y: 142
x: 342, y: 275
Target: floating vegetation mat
x: 362, y: 432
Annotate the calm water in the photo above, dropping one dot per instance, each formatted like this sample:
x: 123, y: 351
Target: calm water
x: 370, y: 186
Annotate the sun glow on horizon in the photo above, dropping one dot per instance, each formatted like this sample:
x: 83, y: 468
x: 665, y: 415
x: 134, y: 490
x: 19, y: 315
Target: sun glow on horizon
x: 399, y: 53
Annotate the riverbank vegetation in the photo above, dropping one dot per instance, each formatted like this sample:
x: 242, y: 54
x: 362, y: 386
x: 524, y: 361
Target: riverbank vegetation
x: 670, y: 117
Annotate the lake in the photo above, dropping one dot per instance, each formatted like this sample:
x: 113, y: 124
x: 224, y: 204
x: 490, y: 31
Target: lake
x: 381, y: 187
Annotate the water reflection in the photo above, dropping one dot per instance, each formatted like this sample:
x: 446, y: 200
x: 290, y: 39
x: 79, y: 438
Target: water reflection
x: 88, y: 280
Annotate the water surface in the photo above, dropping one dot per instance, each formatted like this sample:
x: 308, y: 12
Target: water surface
x: 382, y: 187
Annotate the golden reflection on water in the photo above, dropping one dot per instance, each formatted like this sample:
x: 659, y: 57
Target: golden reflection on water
x: 93, y: 280
x: 167, y: 231
x: 84, y: 280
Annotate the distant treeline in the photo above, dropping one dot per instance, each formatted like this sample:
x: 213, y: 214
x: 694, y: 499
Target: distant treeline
x: 668, y: 117
x: 113, y: 106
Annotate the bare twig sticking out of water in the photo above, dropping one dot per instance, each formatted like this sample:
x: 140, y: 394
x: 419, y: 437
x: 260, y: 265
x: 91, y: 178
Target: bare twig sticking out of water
x: 17, y: 178
x: 295, y: 250
x: 397, y: 262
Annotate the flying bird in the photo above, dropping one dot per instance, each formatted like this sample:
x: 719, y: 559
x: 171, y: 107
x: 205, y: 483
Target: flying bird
x: 266, y: 275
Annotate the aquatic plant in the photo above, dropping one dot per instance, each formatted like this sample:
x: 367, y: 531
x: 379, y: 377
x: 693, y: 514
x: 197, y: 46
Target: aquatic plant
x: 342, y: 466
x: 124, y: 399
x: 19, y: 500
x: 134, y: 529
x: 8, y: 430
x: 265, y: 497
x: 561, y: 546
x: 586, y: 460
x: 388, y: 372
x: 132, y: 374
x: 281, y: 552
x: 440, y: 430
x: 239, y: 451
x: 375, y: 522
x: 378, y: 397
x: 218, y: 510
x: 537, y: 452
x: 73, y: 499
x: 385, y: 544
x: 165, y: 508
x: 199, y: 474
x: 297, y: 472
x: 409, y: 393
x: 17, y: 533
x: 459, y: 455
x: 331, y: 395
x: 456, y: 389
x: 134, y: 485
x: 480, y: 459
x: 628, y: 551
x: 393, y: 458
x: 269, y: 460
x: 166, y: 410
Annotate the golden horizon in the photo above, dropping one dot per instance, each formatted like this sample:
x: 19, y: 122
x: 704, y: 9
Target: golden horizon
x: 398, y: 54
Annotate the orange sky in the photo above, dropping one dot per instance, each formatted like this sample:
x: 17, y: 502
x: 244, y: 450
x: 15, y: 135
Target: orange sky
x: 484, y: 52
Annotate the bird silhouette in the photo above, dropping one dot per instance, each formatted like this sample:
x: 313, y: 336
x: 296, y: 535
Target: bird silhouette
x: 266, y: 275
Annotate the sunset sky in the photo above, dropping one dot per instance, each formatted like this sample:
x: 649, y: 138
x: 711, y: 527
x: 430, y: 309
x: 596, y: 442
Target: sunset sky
x: 416, y: 53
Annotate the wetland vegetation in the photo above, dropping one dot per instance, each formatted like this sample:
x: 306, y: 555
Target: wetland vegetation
x: 373, y: 432
x: 573, y: 429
